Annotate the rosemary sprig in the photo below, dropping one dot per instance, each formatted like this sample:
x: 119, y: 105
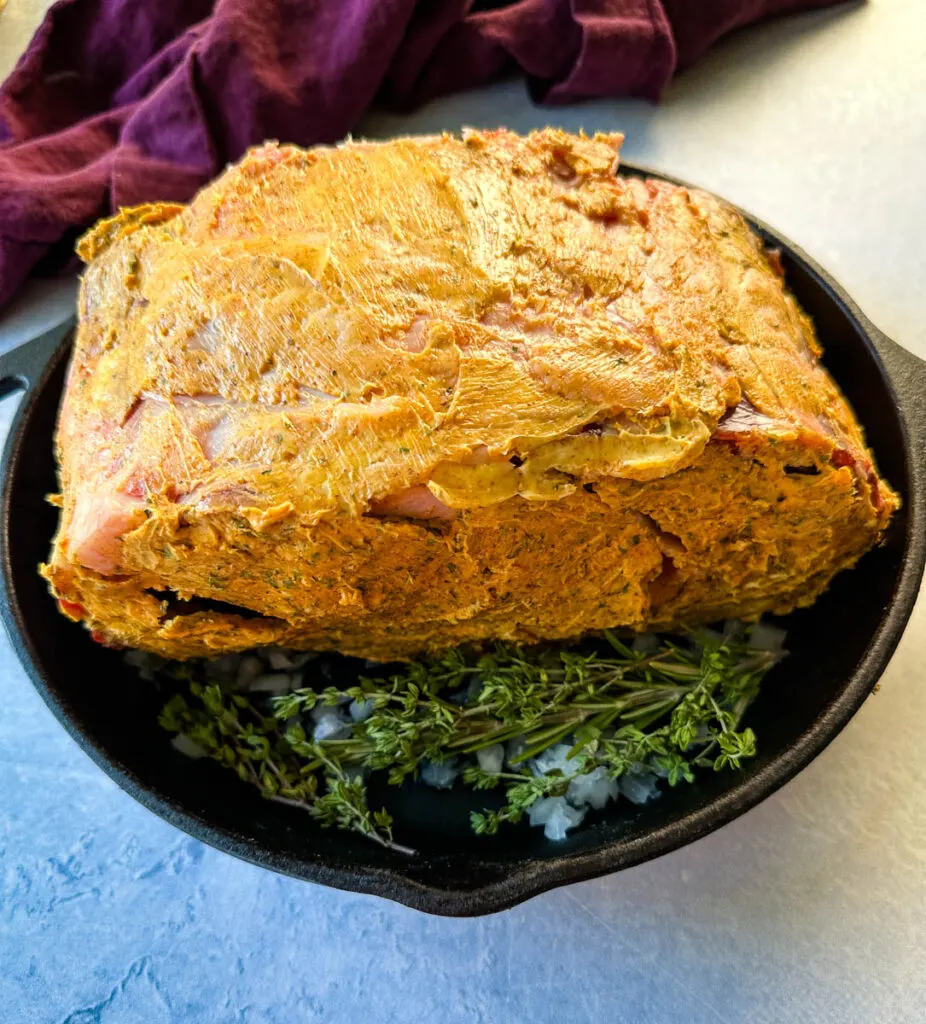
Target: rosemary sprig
x: 671, y: 711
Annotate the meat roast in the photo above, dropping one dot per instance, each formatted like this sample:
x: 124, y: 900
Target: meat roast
x: 385, y: 398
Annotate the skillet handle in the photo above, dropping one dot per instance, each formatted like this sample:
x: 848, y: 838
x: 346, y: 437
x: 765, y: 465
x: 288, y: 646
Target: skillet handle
x: 22, y: 367
x: 908, y: 375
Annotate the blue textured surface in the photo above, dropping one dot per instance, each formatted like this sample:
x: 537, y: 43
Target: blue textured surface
x: 812, y: 908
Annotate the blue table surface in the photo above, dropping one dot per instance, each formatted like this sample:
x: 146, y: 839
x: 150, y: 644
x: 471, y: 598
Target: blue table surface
x: 811, y: 908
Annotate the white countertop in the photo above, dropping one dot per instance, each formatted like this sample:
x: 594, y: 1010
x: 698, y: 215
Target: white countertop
x: 811, y: 908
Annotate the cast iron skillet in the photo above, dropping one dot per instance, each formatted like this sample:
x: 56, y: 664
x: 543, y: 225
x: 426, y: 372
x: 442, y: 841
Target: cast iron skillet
x: 839, y: 648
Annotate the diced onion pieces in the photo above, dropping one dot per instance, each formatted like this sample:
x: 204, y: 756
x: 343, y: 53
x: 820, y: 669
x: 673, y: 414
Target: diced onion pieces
x: 765, y: 637
x: 184, y: 745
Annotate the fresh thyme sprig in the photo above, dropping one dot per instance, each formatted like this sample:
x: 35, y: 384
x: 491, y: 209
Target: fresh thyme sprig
x: 623, y: 711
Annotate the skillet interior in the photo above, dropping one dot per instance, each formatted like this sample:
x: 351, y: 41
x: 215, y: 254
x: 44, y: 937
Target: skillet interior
x: 838, y: 649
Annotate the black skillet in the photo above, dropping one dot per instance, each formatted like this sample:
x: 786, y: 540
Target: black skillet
x: 839, y: 648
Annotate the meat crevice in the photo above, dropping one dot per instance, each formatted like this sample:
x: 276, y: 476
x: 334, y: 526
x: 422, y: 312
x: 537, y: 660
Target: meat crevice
x: 174, y: 606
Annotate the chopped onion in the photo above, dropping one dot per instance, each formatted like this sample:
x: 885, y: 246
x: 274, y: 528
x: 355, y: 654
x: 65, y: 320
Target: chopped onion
x: 491, y: 759
x: 556, y: 816
x: 224, y: 667
x: 594, y: 789
x: 189, y: 748
x: 330, y: 726
x: 360, y: 710
x: 274, y: 683
x: 278, y: 659
x: 468, y: 695
x: 514, y: 749
x: 638, y: 788
x: 439, y: 774
x: 249, y: 669
x: 148, y: 665
x: 765, y: 637
x: 555, y: 758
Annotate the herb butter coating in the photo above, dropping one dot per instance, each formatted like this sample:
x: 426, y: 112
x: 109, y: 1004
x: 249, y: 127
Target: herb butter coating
x: 389, y: 397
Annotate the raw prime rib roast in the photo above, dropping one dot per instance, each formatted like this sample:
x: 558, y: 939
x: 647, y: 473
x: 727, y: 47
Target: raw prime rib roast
x: 387, y: 398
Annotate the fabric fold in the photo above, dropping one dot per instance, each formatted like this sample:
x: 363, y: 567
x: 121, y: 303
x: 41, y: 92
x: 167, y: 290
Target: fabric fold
x: 116, y: 103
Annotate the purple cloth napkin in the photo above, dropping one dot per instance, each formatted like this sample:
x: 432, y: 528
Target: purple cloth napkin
x: 118, y: 102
